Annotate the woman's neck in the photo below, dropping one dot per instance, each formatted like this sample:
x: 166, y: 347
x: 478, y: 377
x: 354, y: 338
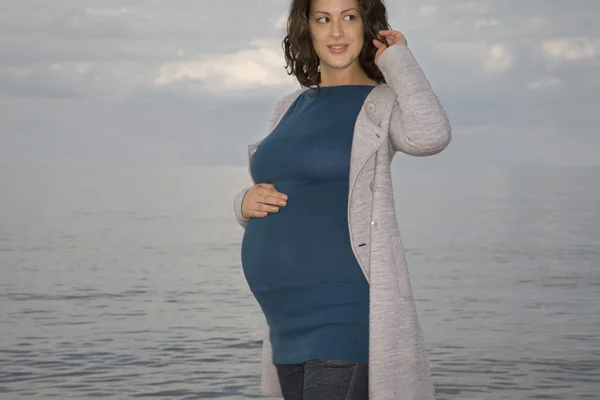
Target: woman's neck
x: 349, y: 76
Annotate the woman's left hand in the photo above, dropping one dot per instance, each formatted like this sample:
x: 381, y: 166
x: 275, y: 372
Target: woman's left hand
x: 390, y: 38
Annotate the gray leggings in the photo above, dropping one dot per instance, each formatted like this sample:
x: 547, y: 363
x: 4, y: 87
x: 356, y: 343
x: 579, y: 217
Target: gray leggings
x: 324, y: 379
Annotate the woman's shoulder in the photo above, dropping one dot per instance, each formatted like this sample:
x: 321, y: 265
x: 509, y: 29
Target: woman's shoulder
x: 290, y: 97
x: 383, y: 94
x: 284, y: 103
x: 381, y: 102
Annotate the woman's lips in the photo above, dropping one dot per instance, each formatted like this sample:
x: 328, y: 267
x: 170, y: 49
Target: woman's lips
x: 338, y: 49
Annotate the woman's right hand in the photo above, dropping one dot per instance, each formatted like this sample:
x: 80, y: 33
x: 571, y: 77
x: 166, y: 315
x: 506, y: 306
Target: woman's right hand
x: 261, y: 199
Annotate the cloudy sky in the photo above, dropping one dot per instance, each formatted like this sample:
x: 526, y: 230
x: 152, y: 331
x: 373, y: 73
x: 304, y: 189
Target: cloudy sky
x: 188, y: 82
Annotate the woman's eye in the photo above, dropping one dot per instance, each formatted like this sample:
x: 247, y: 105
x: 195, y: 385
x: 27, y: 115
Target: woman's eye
x: 323, y: 20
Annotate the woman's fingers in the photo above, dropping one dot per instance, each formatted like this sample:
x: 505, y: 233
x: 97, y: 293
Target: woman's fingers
x: 392, y: 37
x: 389, y: 37
x: 271, y: 200
x: 272, y: 197
x: 380, y: 49
x: 263, y: 199
x: 380, y: 44
x: 271, y: 187
x: 266, y: 208
x: 256, y: 214
x: 262, y: 210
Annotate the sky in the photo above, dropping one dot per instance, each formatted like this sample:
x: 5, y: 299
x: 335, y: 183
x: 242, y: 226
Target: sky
x: 193, y: 82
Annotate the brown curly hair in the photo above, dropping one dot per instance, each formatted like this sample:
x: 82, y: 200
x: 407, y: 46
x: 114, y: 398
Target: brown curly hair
x: 300, y: 56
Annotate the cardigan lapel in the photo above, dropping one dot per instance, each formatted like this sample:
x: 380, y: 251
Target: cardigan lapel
x: 367, y: 139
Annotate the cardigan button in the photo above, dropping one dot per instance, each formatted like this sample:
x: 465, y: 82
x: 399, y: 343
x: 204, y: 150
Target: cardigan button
x: 372, y: 186
x: 374, y: 223
x: 370, y: 107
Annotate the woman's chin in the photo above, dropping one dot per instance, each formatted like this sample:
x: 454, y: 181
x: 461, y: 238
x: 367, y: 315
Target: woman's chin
x: 338, y: 64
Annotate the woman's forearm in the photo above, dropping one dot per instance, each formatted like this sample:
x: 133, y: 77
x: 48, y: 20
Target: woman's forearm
x: 419, y: 124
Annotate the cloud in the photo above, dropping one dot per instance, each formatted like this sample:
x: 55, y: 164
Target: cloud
x: 246, y: 69
x: 82, y: 78
x: 281, y: 21
x: 428, y: 11
x: 473, y: 7
x: 110, y: 12
x: 538, y: 22
x: 572, y: 49
x: 171, y: 74
x: 486, y: 23
x: 498, y: 58
x: 545, y: 83
x: 479, y: 56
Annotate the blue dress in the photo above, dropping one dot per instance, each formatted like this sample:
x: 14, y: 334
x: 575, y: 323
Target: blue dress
x: 298, y: 262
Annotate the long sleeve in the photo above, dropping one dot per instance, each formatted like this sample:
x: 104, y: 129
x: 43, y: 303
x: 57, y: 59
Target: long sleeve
x: 419, y: 125
x: 237, y: 207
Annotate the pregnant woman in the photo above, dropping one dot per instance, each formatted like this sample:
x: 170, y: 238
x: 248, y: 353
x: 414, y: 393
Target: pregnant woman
x: 321, y: 250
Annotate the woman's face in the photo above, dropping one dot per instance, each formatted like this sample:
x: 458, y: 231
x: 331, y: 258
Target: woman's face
x: 336, y: 30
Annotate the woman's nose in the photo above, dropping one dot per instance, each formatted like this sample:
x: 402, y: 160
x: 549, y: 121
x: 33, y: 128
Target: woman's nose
x: 336, y: 31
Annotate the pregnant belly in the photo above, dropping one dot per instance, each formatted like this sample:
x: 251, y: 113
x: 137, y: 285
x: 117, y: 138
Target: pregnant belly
x: 299, y: 244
